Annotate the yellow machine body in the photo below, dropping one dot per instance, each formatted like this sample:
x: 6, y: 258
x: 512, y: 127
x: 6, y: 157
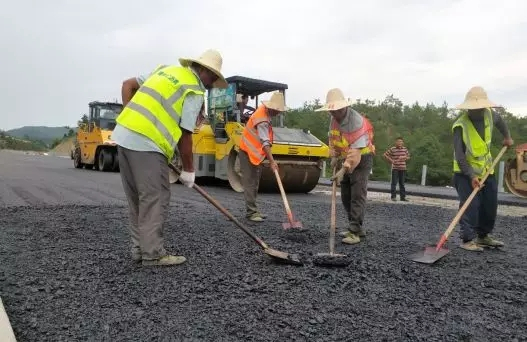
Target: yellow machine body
x: 94, y: 147
x: 516, y: 172
x: 299, y: 154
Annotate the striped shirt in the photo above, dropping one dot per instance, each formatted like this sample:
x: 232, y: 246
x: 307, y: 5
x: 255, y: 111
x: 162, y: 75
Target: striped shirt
x: 396, y: 153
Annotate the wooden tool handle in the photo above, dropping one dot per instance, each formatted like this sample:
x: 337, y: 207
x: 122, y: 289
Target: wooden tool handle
x: 224, y: 211
x: 333, y: 215
x: 462, y: 210
x: 284, y: 198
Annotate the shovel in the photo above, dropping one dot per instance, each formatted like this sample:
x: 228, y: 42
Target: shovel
x: 292, y: 223
x: 431, y: 254
x: 332, y: 259
x: 276, y: 255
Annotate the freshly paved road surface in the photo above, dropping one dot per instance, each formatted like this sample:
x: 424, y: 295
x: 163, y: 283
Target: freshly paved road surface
x: 66, y: 273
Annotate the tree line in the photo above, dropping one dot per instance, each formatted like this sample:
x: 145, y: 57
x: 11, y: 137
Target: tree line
x: 426, y: 130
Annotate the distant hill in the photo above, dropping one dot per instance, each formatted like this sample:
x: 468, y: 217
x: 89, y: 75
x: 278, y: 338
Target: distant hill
x: 12, y: 143
x: 42, y: 133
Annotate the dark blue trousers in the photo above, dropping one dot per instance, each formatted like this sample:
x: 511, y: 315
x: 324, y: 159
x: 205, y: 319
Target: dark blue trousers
x: 480, y: 216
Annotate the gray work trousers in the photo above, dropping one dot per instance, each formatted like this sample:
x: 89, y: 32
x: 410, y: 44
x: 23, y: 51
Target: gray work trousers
x: 250, y: 182
x: 145, y: 181
x: 354, y: 190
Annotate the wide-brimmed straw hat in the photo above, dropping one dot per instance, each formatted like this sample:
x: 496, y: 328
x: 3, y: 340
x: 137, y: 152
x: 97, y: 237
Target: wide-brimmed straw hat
x: 335, y: 100
x: 476, y: 98
x: 212, y: 60
x: 276, y: 102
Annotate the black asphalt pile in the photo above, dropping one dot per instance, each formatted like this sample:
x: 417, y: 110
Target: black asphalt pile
x: 66, y: 275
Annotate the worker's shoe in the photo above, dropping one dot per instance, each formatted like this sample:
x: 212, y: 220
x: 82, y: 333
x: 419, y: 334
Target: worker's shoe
x: 351, y: 238
x: 489, y: 241
x: 360, y: 233
x: 262, y: 215
x: 471, y: 246
x: 167, y: 260
x: 256, y: 217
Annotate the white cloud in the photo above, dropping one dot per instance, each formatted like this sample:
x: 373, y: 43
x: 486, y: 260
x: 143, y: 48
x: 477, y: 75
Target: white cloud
x: 64, y: 54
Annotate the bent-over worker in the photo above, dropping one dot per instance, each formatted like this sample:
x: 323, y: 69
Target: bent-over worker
x: 161, y: 111
x: 351, y: 145
x: 255, y: 147
x: 472, y: 158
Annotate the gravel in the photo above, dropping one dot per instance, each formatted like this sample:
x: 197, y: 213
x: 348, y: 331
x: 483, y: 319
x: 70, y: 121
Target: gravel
x: 66, y: 275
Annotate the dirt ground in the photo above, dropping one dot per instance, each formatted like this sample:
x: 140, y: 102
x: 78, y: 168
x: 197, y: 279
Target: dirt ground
x: 66, y: 272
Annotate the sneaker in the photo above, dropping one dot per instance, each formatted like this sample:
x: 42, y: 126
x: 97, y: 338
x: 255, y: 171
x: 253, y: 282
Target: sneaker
x: 394, y: 199
x: 404, y: 200
x: 256, y: 217
x: 262, y: 215
x: 471, y: 246
x: 351, y: 238
x: 167, y: 260
x: 489, y: 241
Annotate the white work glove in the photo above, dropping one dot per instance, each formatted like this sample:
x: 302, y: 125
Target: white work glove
x: 187, y: 178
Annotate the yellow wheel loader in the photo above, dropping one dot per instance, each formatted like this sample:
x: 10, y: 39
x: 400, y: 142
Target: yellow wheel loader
x: 94, y: 147
x: 516, y: 172
x: 299, y: 154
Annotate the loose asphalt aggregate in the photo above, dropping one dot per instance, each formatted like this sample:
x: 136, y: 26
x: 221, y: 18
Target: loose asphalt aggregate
x: 66, y: 272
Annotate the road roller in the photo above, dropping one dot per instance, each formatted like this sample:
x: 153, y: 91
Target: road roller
x: 299, y: 154
x: 516, y: 172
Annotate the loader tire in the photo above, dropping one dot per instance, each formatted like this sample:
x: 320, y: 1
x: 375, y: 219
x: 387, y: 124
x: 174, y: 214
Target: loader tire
x: 77, y: 160
x: 105, y: 160
x: 115, y: 166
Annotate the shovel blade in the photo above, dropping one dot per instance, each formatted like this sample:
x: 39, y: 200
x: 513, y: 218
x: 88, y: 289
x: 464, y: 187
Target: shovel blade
x: 283, y: 257
x: 293, y: 224
x: 429, y: 255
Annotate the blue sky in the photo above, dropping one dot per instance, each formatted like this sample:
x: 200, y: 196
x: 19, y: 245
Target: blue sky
x: 59, y: 55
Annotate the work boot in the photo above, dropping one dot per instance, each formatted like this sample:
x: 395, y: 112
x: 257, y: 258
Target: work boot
x: 471, y: 246
x: 360, y: 233
x: 489, y: 241
x: 351, y: 238
x: 167, y: 260
x: 256, y: 217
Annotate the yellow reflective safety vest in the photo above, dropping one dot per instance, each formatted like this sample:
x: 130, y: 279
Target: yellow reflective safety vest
x: 156, y: 108
x: 477, y: 150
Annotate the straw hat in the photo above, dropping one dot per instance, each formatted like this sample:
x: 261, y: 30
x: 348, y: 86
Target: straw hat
x: 277, y: 102
x: 476, y: 98
x: 335, y: 100
x: 210, y: 59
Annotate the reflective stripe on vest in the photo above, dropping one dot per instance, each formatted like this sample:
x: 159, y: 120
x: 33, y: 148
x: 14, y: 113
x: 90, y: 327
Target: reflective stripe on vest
x: 477, y: 152
x: 155, y: 109
x: 340, y: 141
x: 250, y: 141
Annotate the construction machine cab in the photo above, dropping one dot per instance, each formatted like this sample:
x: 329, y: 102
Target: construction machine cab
x: 103, y: 115
x: 223, y: 106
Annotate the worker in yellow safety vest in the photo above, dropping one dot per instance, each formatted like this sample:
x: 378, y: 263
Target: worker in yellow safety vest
x: 161, y: 112
x: 472, y: 132
x: 351, y: 146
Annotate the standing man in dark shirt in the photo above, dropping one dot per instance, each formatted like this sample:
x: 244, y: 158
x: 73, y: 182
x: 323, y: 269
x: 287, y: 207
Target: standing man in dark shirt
x: 397, y: 156
x: 472, y: 132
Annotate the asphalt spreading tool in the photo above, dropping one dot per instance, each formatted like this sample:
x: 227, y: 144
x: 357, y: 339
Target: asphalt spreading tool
x: 276, y: 255
x: 433, y: 253
x: 332, y: 259
x: 291, y: 220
